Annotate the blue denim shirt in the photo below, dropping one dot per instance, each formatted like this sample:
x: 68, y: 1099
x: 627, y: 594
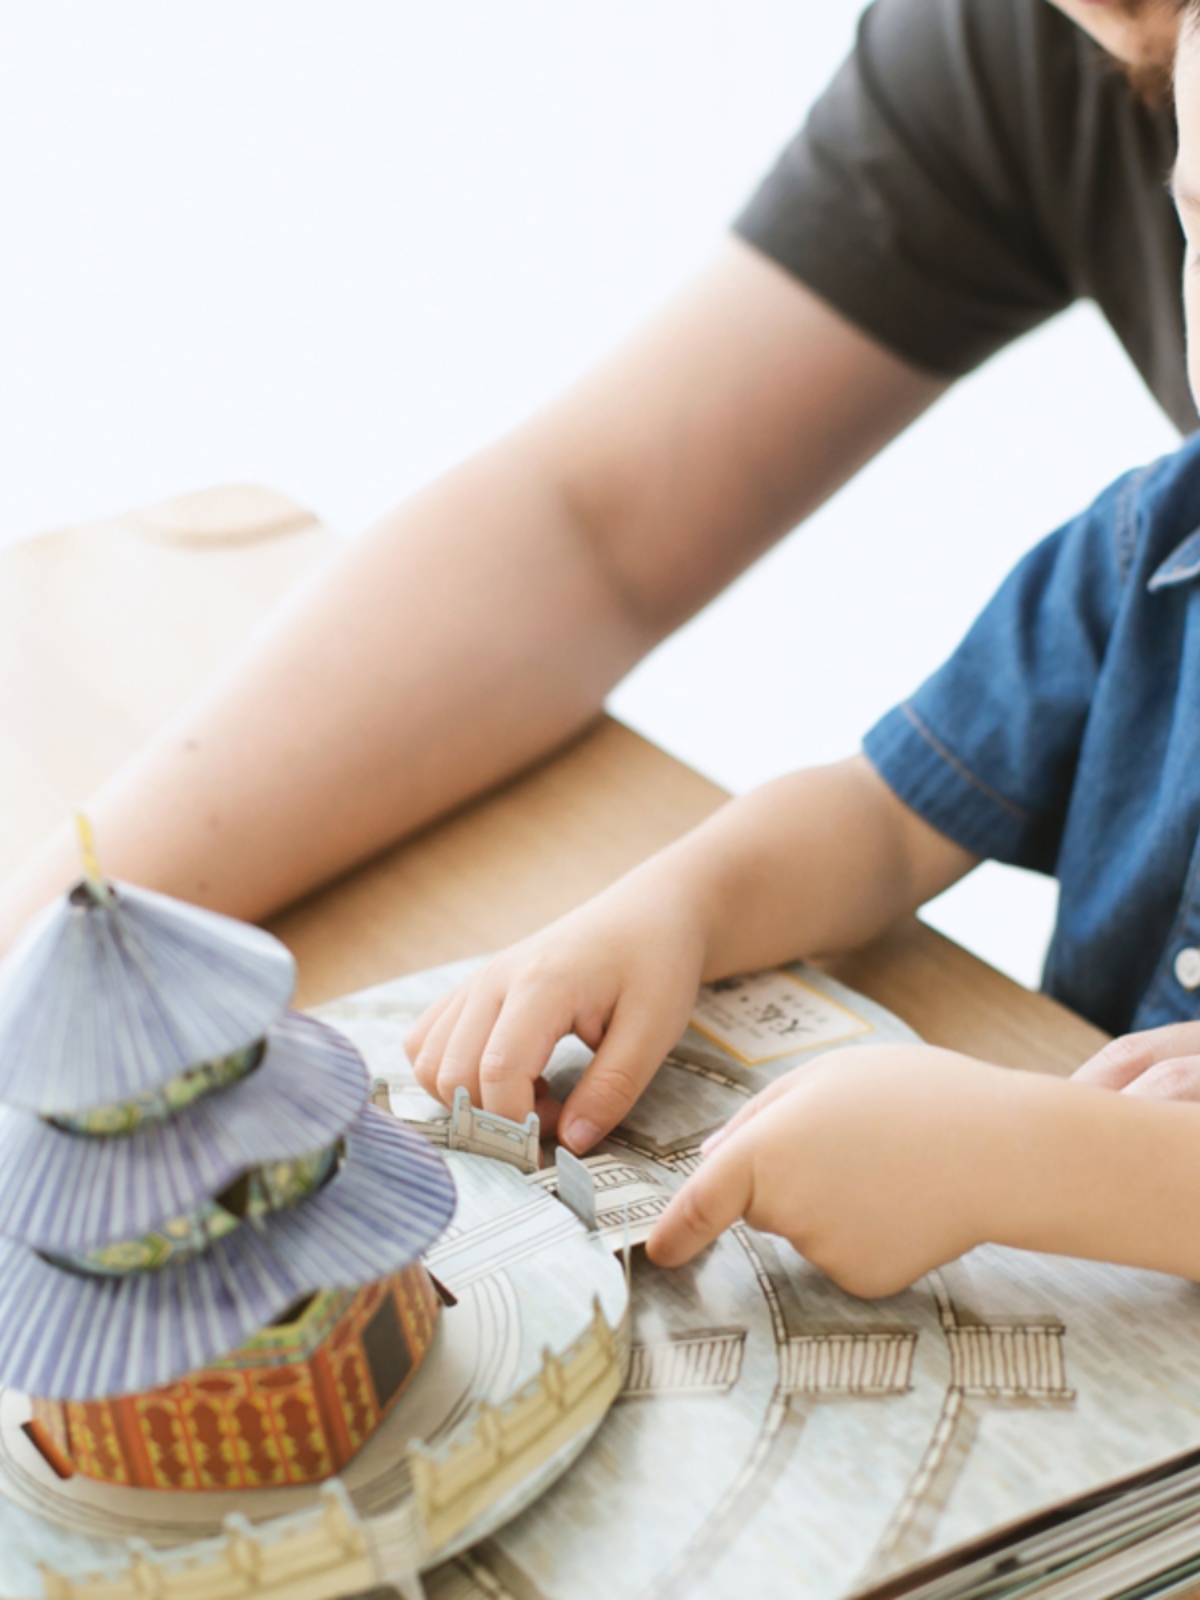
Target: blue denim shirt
x: 1064, y: 735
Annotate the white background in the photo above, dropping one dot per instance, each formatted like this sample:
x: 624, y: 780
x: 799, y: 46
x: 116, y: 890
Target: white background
x: 332, y: 247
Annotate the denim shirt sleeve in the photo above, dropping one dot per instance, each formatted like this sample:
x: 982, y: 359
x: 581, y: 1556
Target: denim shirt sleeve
x: 986, y: 749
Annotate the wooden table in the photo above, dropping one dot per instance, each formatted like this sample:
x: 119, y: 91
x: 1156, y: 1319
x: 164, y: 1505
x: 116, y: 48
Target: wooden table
x: 185, y: 581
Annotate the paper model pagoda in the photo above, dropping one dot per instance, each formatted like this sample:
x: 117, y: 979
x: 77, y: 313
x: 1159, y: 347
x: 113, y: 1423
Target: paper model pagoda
x: 209, y: 1239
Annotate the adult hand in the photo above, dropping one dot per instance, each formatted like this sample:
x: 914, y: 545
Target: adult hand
x: 877, y: 1163
x: 622, y: 973
x: 1160, y: 1063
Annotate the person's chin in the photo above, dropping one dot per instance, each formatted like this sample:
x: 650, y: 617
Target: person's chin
x: 1138, y: 33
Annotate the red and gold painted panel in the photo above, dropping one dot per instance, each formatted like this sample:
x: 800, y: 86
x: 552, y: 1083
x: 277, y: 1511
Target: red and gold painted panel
x: 292, y: 1406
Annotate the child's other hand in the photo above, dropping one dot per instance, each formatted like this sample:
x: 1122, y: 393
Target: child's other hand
x: 877, y: 1163
x: 622, y: 973
x: 1160, y: 1063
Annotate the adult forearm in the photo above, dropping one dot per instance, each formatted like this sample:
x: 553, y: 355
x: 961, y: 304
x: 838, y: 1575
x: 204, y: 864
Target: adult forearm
x: 457, y: 641
x: 484, y: 622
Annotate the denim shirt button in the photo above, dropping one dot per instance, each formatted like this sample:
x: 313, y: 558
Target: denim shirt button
x: 1187, y: 967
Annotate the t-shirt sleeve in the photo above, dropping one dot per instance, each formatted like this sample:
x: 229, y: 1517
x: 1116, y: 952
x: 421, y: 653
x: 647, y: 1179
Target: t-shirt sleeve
x: 987, y: 748
x: 913, y: 198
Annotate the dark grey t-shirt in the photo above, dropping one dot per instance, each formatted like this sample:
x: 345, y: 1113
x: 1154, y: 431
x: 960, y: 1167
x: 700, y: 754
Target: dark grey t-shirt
x: 974, y: 167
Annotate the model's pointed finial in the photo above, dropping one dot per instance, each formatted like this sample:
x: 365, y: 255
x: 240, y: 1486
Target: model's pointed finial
x: 93, y: 878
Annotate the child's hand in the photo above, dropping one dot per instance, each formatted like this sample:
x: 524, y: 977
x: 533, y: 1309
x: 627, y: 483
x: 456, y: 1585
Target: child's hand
x: 877, y: 1163
x: 622, y: 973
x: 1160, y: 1063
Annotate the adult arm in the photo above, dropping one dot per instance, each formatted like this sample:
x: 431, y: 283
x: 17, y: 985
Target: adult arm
x: 482, y: 624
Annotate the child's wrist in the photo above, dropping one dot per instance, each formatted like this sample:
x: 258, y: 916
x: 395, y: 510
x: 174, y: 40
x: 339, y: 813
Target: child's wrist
x: 1008, y: 1135
x: 1083, y: 1171
x: 687, y: 899
x: 1028, y: 1138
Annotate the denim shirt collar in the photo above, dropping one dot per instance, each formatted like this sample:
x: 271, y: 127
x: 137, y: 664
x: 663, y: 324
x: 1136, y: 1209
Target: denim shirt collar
x: 1181, y: 566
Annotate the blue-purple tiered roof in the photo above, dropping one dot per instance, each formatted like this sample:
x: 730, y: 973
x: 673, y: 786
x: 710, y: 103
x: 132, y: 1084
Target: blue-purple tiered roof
x: 148, y: 1064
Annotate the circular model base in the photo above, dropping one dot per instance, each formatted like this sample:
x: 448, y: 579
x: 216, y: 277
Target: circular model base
x: 526, y: 1277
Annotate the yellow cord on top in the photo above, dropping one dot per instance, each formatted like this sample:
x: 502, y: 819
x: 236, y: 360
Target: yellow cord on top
x: 91, y: 863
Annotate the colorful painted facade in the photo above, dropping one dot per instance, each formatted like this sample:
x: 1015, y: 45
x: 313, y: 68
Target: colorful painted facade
x: 292, y: 1406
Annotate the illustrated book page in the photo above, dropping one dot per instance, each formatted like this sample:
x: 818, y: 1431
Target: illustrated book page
x: 781, y: 1438
x: 775, y: 1436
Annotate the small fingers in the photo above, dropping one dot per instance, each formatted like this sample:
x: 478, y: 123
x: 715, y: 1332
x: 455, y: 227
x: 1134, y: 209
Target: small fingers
x: 712, y: 1199
x: 1177, y: 1079
x: 463, y: 1048
x: 437, y: 1030
x: 629, y: 1056
x: 415, y: 1038
x: 1126, y: 1058
x: 518, y: 1048
x: 494, y: 1034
